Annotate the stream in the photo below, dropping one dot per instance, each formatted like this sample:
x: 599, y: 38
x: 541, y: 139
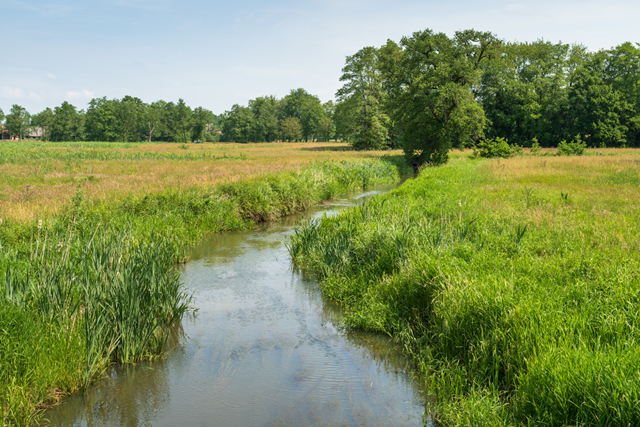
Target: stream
x: 263, y: 349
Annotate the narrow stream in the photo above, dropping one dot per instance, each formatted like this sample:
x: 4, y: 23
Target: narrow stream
x: 264, y: 349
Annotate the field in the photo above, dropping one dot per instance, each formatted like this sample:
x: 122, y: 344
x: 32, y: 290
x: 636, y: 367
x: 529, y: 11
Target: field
x: 91, y: 235
x: 39, y: 178
x: 514, y: 284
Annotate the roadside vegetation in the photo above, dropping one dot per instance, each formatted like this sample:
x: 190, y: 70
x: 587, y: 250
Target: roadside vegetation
x: 94, y: 282
x: 513, y: 283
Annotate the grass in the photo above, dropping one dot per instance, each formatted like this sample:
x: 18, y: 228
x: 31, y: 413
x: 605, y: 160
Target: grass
x: 93, y: 282
x: 39, y: 178
x: 513, y: 283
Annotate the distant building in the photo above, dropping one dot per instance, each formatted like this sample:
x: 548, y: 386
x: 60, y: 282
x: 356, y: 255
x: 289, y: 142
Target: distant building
x: 33, y: 133
x: 6, y: 135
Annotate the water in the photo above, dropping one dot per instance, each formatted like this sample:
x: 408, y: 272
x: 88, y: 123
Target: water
x: 263, y: 350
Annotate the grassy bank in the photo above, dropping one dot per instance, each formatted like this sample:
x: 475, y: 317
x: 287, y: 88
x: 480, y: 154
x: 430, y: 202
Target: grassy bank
x: 513, y: 283
x: 96, y: 284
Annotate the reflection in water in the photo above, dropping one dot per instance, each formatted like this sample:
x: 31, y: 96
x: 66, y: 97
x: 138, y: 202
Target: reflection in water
x: 263, y: 350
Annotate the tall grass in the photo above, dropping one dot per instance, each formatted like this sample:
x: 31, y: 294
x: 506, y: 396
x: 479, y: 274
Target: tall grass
x: 97, y: 284
x: 519, y: 305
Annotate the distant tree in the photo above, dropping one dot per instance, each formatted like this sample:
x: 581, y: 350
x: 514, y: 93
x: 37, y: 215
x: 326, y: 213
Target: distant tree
x: 291, y: 129
x: 151, y: 117
x: 68, y: 123
x: 265, y: 124
x: 2, y: 116
x: 362, y: 93
x: 428, y: 78
x: 598, y: 110
x: 101, y: 120
x: 238, y: 124
x: 182, y: 120
x: 326, y: 128
x: 200, y: 118
x: 45, y: 121
x: 18, y: 120
x: 306, y: 108
x: 129, y: 115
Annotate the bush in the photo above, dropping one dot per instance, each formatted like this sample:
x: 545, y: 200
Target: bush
x: 496, y: 147
x: 573, y: 148
x: 535, y: 147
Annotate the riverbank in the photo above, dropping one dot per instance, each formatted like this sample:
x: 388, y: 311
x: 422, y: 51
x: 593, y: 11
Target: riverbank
x: 96, y: 284
x: 512, y: 283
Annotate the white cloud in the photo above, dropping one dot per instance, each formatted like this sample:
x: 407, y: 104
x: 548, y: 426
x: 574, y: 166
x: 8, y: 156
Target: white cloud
x: 81, y: 95
x: 35, y: 97
x: 8, y: 92
x: 51, y: 76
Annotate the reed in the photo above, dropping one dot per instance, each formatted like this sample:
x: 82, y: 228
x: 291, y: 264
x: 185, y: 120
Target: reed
x: 519, y: 306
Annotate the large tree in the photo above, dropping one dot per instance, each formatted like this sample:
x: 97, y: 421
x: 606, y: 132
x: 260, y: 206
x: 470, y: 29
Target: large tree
x: 238, y: 124
x: 101, y: 120
x: 291, y: 129
x: 306, y: 108
x: 428, y: 77
x: 265, y: 111
x: 68, y: 124
x: 182, y: 120
x: 18, y: 120
x: 362, y: 93
x: 200, y: 119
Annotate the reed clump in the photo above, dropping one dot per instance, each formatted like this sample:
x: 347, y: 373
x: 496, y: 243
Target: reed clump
x: 98, y: 284
x: 518, y: 305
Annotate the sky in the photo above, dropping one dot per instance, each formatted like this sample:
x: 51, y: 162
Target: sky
x: 215, y: 54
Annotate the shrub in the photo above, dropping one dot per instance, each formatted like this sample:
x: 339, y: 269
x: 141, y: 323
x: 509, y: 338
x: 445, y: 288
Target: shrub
x: 496, y: 147
x: 535, y: 147
x: 573, y: 148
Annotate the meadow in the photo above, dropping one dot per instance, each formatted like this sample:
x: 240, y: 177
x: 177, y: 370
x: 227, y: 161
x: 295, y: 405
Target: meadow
x: 91, y: 233
x: 513, y: 283
x: 39, y: 178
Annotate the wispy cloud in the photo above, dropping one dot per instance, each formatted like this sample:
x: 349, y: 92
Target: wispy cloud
x: 8, y: 92
x: 80, y: 95
x: 51, y: 76
x: 35, y: 97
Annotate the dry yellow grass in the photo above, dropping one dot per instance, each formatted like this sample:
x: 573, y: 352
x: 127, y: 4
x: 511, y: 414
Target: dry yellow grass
x: 43, y: 183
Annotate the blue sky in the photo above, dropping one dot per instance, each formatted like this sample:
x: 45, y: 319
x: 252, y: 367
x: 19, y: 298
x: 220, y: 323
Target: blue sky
x: 215, y: 54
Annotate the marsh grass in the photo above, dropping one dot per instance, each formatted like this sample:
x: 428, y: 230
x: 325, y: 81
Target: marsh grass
x: 519, y: 309
x: 97, y: 284
x: 39, y: 178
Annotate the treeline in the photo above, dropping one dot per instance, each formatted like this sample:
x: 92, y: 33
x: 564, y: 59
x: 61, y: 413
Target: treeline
x: 298, y: 116
x: 126, y: 119
x: 429, y: 93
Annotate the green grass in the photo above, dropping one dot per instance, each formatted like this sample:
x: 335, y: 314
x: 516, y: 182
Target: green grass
x: 97, y: 284
x: 514, y: 285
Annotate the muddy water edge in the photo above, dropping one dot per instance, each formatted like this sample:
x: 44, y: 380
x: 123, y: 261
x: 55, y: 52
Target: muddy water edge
x: 263, y: 349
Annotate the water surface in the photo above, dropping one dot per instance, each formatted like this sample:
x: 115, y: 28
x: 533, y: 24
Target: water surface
x: 264, y: 349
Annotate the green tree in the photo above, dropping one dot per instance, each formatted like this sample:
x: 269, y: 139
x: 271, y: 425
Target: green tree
x: 129, y: 118
x: 326, y: 128
x: 18, y: 120
x: 68, y: 123
x: 151, y: 116
x: 238, y: 124
x: 201, y: 118
x: 45, y: 120
x: 291, y: 129
x: 182, y: 120
x: 598, y: 110
x: 101, y: 120
x: 306, y: 108
x: 362, y: 93
x: 265, y: 125
x: 1, y: 116
x: 428, y: 78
